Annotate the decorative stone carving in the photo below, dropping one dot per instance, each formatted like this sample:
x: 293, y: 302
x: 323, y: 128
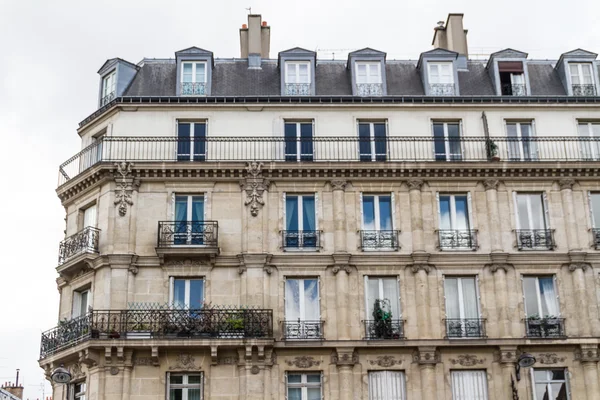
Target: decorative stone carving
x: 549, y: 358
x: 147, y: 361
x: 126, y: 184
x: 186, y: 263
x: 338, y: 184
x: 338, y: 268
x: 426, y: 355
x: 185, y: 362
x: 577, y: 265
x: 76, y: 371
x: 491, y: 184
x: 467, y: 360
x: 231, y: 360
x: 566, y: 183
x: 386, y: 361
x: 497, y: 266
x: 114, y: 370
x: 344, y: 357
x: 303, y: 362
x: 587, y: 353
x: 255, y: 185
x: 418, y: 267
x: 415, y: 184
x: 507, y: 355
x: 254, y: 370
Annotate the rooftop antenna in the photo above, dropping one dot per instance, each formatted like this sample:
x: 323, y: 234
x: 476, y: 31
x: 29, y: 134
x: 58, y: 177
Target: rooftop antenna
x: 249, y: 10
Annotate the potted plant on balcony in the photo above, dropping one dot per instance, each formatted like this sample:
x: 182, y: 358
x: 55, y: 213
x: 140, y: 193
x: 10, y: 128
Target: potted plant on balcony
x: 140, y: 331
x: 382, y: 316
x: 492, y: 150
x: 235, y: 325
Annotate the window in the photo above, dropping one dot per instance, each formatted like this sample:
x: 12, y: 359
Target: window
x: 382, y: 297
x: 377, y: 225
x: 300, y: 222
x: 77, y: 391
x: 302, y: 309
x: 512, y: 78
x: 541, y: 307
x: 109, y: 83
x: 441, y: 79
x: 90, y: 216
x: 594, y: 201
x: 590, y: 140
x: 387, y: 385
x: 368, y: 79
x: 446, y: 141
x: 462, y: 307
x: 191, y: 141
x: 582, y: 79
x: 469, y: 385
x: 193, y: 78
x: 81, y: 302
x: 550, y: 384
x: 185, y: 386
x: 187, y: 293
x: 298, y: 141
x: 455, y: 222
x: 189, y: 226
x: 297, y: 78
x: 521, y: 143
x: 372, y: 141
x: 303, y: 386
x: 533, y: 230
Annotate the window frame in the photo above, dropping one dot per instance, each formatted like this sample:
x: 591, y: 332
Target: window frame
x: 580, y: 74
x: 304, y: 385
x: 550, y: 381
x: 452, y: 209
x: 592, y: 146
x: 187, y: 285
x: 373, y: 155
x: 185, y: 385
x: 448, y: 155
x: 296, y: 64
x: 193, y: 141
x: 301, y: 298
x: 388, y: 395
x: 109, y: 79
x: 594, y: 217
x: 438, y: 65
x: 380, y: 289
x: 457, y: 372
x: 376, y: 210
x: 520, y: 140
x: 460, y: 295
x: 77, y: 300
x: 300, y: 198
x: 538, y: 295
x: 81, y: 395
x: 194, y: 71
x: 368, y: 77
x: 299, y: 156
x: 545, y: 210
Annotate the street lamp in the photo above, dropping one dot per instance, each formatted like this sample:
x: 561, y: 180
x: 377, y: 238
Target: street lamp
x: 525, y: 360
x: 61, y: 375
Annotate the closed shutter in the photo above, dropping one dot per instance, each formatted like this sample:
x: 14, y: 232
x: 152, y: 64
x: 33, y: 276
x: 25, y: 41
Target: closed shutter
x: 386, y: 385
x: 469, y: 385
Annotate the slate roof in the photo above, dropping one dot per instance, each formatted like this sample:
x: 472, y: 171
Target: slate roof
x: 232, y: 77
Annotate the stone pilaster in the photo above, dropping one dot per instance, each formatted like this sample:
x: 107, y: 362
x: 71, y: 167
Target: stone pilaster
x: 499, y: 267
x: 589, y: 355
x: 508, y: 359
x: 252, y: 271
x: 427, y: 358
x: 345, y: 359
x: 566, y: 192
x: 491, y: 194
x: 421, y: 269
x: 127, y: 367
x: 339, y: 215
x: 125, y: 195
x: 341, y: 269
x: 254, y: 185
x: 416, y: 214
x: 578, y: 266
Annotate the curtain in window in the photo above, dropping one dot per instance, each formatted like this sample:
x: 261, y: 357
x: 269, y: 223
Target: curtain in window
x: 548, y: 295
x: 469, y: 385
x: 530, y: 292
x: 311, y: 300
x: 452, y: 304
x: 469, y: 292
x: 386, y: 385
x: 294, y: 394
x: 462, y: 213
x: 89, y: 216
x: 198, y: 220
x: 390, y: 292
x: 308, y: 213
x: 181, y: 217
x: 369, y: 213
x: 291, y: 213
x: 385, y: 213
x: 372, y: 295
x: 193, y: 394
x: 292, y: 299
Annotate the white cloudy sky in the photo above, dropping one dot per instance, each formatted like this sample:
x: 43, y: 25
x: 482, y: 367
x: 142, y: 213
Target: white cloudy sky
x: 50, y: 52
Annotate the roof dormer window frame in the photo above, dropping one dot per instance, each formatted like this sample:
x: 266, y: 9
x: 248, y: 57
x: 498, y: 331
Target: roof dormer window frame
x: 297, y: 86
x: 368, y: 72
x: 373, y: 82
x: 584, y: 85
x: 109, y: 87
x: 439, y: 87
x: 578, y: 57
x: 194, y: 86
x: 444, y: 84
x: 187, y: 82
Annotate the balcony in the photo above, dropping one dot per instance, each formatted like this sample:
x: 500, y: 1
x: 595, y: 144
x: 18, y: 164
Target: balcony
x: 297, y: 89
x: 545, y: 328
x: 441, y: 89
x: 107, y: 99
x: 379, y: 240
x: 535, y: 239
x: 456, y: 239
x: 465, y: 328
x: 369, y: 89
x: 391, y: 329
x: 79, y: 246
x: 188, y: 238
x: 514, y: 89
x: 193, y: 88
x: 584, y: 90
x: 301, y: 240
x: 207, y: 323
x: 302, y: 330
x: 326, y: 149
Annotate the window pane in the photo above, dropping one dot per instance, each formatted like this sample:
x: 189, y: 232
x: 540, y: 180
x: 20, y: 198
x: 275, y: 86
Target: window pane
x: 548, y: 297
x: 445, y: 213
x: 380, y: 141
x: 574, y: 74
x: 390, y: 292
x: 193, y: 394
x: 198, y: 208
x: 187, y: 72
x: 559, y: 391
x: 462, y: 213
x: 385, y: 213
x: 294, y: 378
x: 292, y: 302
x: 176, y: 379
x: 369, y: 212
x: 311, y: 299
x: 201, y: 72
x: 451, y: 292
x: 537, y: 212
x: 558, y: 375
x: 308, y: 213
x: 294, y: 394
x: 196, y: 293
x: 454, y: 141
x: 194, y: 379
x: 362, y: 73
x: 372, y: 295
x: 530, y: 291
x: 303, y: 73
x: 84, y: 303
x: 540, y: 375
x: 314, y: 393
x: 291, y: 213
x: 470, y: 301
x: 541, y: 392
x: 176, y: 394
x: 523, y: 211
x: 595, y: 200
x: 178, y: 299
x: 439, y: 141
x: 364, y: 145
x: 313, y: 378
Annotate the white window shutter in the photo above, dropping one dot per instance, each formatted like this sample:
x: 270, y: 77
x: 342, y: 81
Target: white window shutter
x: 317, y: 214
x: 516, y: 205
x: 546, y: 209
x: 470, y: 216
x: 394, y: 224
x: 75, y: 304
x: 283, y: 212
x: 171, y: 286
x: 439, y: 213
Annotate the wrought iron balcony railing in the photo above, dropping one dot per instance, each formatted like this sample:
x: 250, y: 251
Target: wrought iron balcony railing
x: 535, y: 239
x: 369, y: 89
x: 391, y: 329
x: 465, y: 328
x: 193, y: 88
x: 441, y: 89
x: 297, y: 89
x: 457, y: 239
x: 514, y: 89
x: 107, y: 99
x: 596, y: 233
x: 545, y: 327
x: 342, y: 148
x: 584, y: 90
x: 206, y: 323
x: 379, y: 240
x: 302, y: 330
x: 188, y: 233
x: 309, y: 240
x: 85, y: 241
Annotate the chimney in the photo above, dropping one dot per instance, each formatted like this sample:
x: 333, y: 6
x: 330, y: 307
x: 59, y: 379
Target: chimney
x: 452, y: 36
x: 16, y: 389
x: 255, y: 40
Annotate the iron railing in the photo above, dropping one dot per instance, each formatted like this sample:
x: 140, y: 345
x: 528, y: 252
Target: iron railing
x: 545, y: 327
x: 596, y: 233
x: 369, y: 89
x: 441, y: 89
x: 107, y: 99
x: 193, y: 88
x: 85, y: 241
x: 514, y: 89
x: 457, y: 239
x: 465, y: 328
x: 215, y: 322
x: 391, y: 329
x: 584, y: 90
x: 302, y: 330
x: 188, y: 233
x: 310, y: 240
x: 535, y: 239
x: 297, y: 89
x: 113, y: 149
x: 382, y: 240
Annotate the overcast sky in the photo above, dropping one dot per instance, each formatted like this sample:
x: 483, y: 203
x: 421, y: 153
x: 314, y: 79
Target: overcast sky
x: 50, y: 52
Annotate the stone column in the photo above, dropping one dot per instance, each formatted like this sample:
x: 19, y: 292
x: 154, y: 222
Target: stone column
x: 566, y: 193
x: 341, y: 269
x: 416, y: 214
x: 491, y: 194
x: 581, y: 307
x: 508, y: 359
x: 345, y: 359
x: 499, y: 267
x: 589, y: 356
x: 427, y: 358
x: 339, y: 215
x: 127, y: 367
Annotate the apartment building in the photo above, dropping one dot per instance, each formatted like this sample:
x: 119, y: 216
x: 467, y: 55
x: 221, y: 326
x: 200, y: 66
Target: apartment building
x: 298, y: 228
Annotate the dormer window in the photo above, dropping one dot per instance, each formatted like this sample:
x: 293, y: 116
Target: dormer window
x: 109, y: 84
x: 582, y: 80
x: 368, y: 79
x: 441, y: 79
x: 297, y: 78
x: 193, y: 78
x: 512, y: 78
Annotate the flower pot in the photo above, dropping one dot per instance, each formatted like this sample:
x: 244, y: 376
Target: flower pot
x: 495, y: 158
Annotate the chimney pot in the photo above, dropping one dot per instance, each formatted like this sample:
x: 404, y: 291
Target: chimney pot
x: 244, y: 26
x: 264, y: 23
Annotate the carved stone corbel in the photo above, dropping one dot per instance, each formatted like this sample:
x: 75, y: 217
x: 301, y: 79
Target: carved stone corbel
x: 344, y: 356
x: 89, y: 358
x: 120, y: 354
x: 154, y: 356
x: 497, y: 266
x: 577, y: 265
x: 338, y: 184
x: 126, y: 184
x: 566, y: 183
x: 420, y: 267
x: 337, y: 268
x: 491, y: 184
x: 587, y: 353
x: 254, y: 184
x: 108, y: 355
x: 415, y: 184
x: 426, y: 355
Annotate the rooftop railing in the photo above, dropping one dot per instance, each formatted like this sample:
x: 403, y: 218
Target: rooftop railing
x: 330, y: 149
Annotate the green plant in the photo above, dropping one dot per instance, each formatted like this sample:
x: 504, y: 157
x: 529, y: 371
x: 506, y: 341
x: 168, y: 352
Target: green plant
x: 492, y: 148
x: 382, y: 316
